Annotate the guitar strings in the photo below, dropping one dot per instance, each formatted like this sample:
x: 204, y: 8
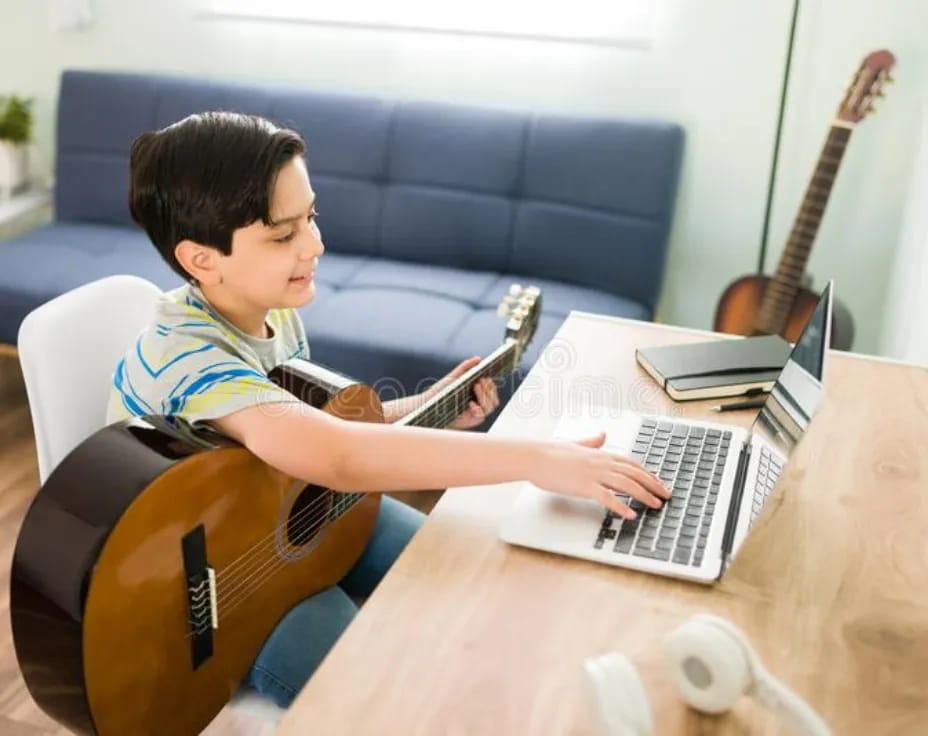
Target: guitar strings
x: 248, y: 554
x: 271, y: 566
x: 303, y: 529
x: 232, y: 600
x: 231, y: 596
x: 226, y: 595
x: 298, y: 530
x: 444, y: 417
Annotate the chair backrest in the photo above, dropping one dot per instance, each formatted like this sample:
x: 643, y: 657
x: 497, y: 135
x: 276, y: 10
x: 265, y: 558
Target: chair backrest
x: 68, y: 349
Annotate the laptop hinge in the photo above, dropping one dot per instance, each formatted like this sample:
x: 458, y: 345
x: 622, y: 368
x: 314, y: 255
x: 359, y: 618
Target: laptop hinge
x: 734, y: 508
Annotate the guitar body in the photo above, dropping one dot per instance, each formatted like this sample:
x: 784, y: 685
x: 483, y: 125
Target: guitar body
x: 740, y: 304
x: 101, y: 605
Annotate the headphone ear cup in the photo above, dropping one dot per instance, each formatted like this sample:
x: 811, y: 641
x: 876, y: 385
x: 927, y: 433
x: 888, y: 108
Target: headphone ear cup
x: 618, y: 696
x: 709, y: 667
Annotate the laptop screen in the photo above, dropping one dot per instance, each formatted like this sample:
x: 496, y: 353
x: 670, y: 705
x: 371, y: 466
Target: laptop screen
x: 783, y: 419
x: 798, y: 390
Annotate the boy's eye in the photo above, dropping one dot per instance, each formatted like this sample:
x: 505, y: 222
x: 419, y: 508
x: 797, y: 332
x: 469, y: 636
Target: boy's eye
x: 289, y: 236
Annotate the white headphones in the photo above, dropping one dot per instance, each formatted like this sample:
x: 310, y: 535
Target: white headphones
x: 712, y: 664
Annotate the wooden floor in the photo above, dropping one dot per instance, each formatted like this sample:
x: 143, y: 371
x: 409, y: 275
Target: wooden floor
x: 19, y: 479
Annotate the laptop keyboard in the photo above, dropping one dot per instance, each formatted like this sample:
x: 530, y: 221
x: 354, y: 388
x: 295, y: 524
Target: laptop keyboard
x: 689, y: 460
x: 768, y: 473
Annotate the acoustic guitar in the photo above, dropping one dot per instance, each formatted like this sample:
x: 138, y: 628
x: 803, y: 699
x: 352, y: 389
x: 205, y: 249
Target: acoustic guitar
x: 156, y: 559
x: 781, y: 305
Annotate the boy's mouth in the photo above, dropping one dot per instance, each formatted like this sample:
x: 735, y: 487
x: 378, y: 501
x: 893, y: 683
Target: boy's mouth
x: 302, y: 279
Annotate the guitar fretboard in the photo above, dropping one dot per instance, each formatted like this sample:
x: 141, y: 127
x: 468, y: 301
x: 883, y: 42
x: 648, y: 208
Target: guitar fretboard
x: 444, y: 407
x: 783, y: 287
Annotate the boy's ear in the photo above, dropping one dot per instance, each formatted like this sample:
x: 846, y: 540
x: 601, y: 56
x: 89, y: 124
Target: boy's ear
x: 200, y: 261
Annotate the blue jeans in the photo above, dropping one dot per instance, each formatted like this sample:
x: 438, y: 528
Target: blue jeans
x: 304, y: 636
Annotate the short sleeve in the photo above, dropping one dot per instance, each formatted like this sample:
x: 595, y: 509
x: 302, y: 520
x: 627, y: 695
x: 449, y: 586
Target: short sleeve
x: 191, y: 379
x: 222, y: 390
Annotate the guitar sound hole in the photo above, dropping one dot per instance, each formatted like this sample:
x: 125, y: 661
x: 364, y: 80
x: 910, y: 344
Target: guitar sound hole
x: 308, y: 514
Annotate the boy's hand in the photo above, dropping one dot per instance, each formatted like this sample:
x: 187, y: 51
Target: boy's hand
x: 477, y: 410
x: 582, y: 468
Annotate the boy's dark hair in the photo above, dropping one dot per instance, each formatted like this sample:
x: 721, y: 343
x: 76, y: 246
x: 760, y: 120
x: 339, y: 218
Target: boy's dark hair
x: 205, y: 176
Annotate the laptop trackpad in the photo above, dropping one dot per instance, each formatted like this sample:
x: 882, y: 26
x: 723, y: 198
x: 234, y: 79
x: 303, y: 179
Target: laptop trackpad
x: 551, y: 520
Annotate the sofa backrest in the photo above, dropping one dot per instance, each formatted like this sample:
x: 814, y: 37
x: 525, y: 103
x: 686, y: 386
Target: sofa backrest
x: 581, y: 200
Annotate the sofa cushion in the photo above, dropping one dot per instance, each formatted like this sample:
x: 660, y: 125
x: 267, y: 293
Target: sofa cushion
x: 51, y: 260
x: 383, y: 335
x: 465, y: 286
x: 459, y: 229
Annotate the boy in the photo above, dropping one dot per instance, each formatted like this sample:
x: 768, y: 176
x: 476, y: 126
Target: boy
x: 227, y: 201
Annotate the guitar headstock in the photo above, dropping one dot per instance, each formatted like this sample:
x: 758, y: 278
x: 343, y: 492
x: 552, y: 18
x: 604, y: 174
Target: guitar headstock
x: 523, y: 307
x: 866, y: 86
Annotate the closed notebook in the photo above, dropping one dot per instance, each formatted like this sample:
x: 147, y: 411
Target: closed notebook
x: 718, y: 368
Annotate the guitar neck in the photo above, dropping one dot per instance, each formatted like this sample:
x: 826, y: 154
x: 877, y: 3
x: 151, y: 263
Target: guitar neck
x: 782, y: 289
x: 442, y: 408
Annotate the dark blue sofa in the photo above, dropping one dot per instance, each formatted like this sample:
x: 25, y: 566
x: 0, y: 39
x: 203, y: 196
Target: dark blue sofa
x: 428, y: 212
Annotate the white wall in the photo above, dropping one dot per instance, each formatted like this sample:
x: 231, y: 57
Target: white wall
x: 715, y: 67
x: 905, y: 334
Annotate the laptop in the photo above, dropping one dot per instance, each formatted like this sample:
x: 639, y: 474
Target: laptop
x: 721, y: 477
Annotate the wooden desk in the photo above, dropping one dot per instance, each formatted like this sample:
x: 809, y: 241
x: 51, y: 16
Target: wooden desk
x: 468, y: 635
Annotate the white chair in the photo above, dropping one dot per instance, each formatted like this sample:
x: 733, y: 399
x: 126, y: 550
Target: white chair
x: 68, y: 349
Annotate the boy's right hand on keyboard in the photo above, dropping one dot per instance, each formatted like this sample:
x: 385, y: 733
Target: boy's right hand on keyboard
x: 582, y: 469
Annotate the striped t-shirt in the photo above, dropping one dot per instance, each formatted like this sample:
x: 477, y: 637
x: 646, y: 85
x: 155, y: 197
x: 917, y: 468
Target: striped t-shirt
x: 192, y: 363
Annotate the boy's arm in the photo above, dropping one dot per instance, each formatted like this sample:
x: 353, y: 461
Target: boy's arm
x: 316, y: 447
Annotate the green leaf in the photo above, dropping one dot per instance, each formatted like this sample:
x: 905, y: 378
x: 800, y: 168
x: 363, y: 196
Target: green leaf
x: 16, y: 119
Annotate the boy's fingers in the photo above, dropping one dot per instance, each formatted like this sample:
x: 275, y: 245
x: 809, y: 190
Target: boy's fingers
x: 612, y: 503
x: 645, y: 476
x: 630, y: 487
x: 486, y: 401
x: 480, y: 391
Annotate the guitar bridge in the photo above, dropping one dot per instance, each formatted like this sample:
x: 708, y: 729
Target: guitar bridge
x: 203, y: 615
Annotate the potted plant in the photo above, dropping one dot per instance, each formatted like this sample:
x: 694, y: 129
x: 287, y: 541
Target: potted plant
x: 15, y: 134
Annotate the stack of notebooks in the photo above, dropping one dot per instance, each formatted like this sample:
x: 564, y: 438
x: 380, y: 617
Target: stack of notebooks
x: 705, y: 370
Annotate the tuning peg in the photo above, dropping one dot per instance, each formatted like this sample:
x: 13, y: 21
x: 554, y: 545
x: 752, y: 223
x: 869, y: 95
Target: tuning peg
x: 502, y: 310
x: 515, y: 289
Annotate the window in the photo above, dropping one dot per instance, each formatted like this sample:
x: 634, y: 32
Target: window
x: 610, y: 22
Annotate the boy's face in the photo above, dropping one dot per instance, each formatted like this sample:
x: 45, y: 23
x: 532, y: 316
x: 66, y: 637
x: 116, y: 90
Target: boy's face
x: 272, y: 267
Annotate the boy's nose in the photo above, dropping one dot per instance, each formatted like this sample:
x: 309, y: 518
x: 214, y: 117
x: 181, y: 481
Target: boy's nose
x: 313, y: 247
